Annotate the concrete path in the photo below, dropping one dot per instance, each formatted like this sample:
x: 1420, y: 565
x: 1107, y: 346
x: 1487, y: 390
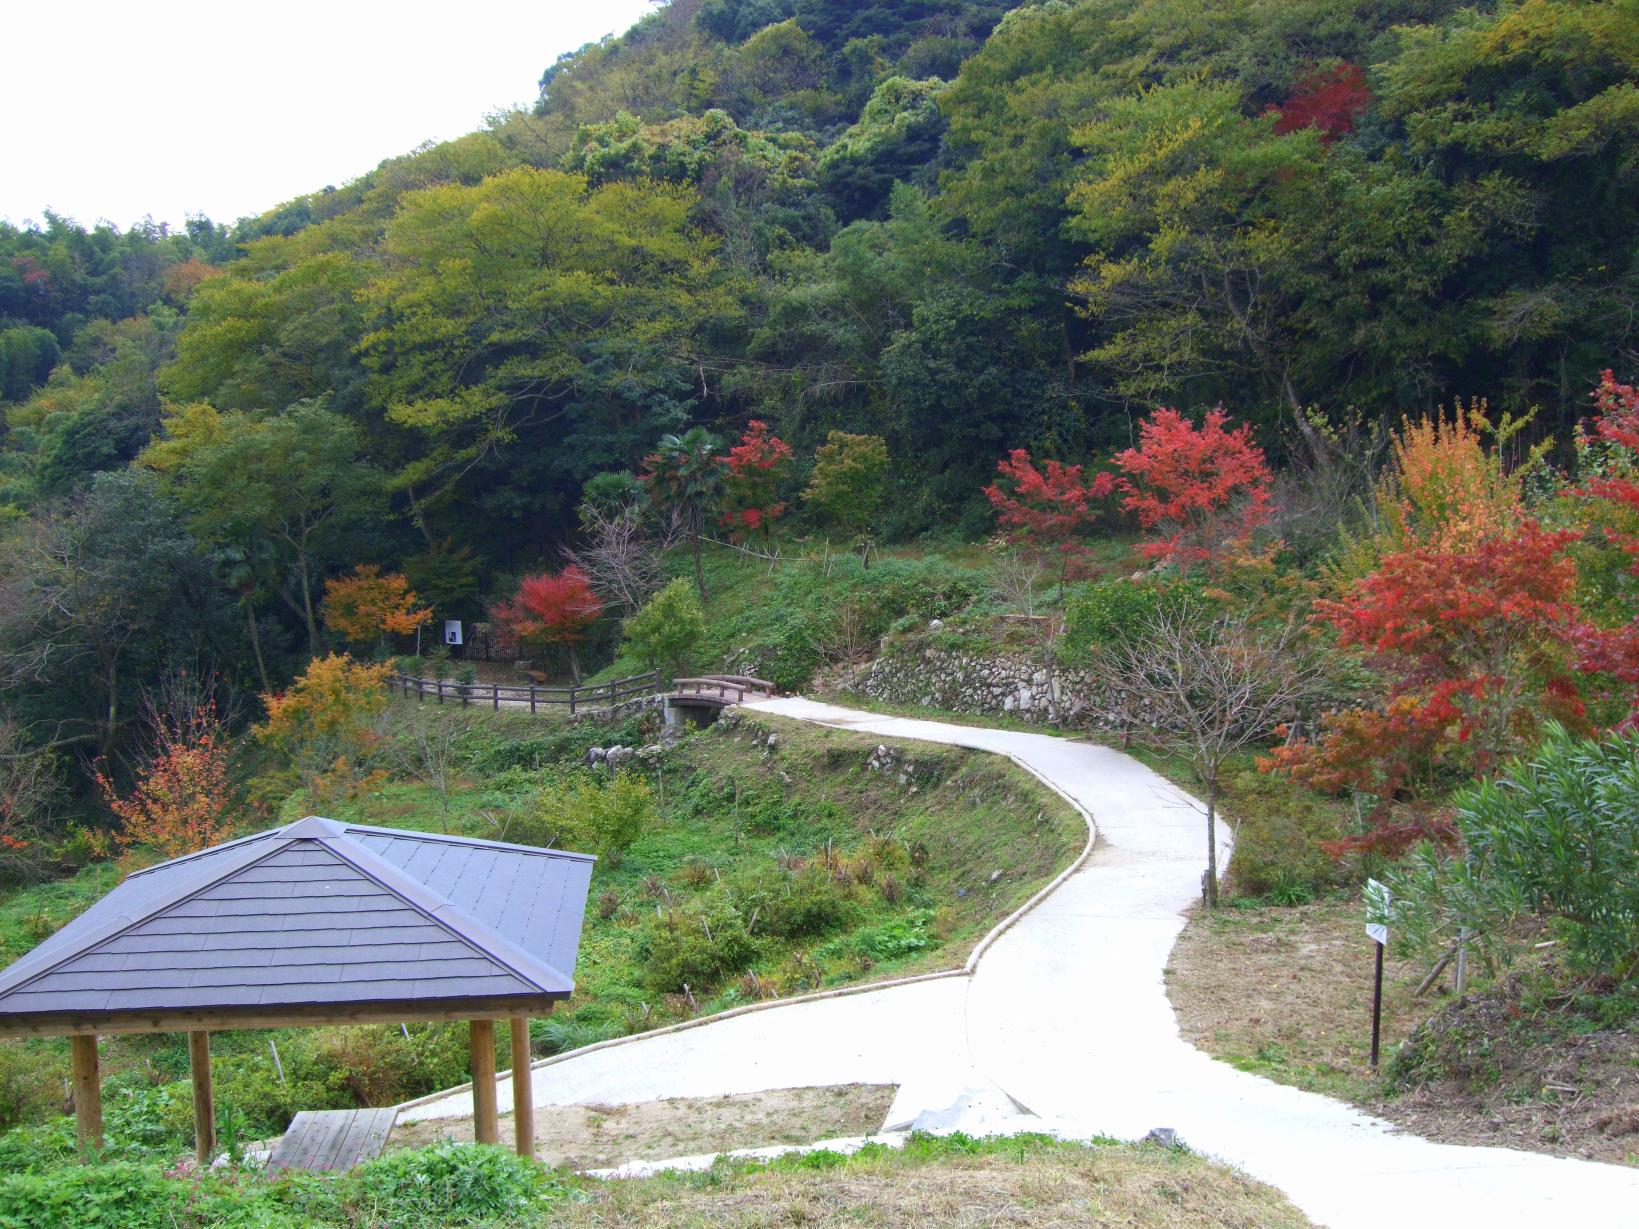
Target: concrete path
x: 1066, y: 1019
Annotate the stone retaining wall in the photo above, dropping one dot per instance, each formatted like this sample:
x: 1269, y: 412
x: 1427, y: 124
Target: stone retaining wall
x: 1012, y: 684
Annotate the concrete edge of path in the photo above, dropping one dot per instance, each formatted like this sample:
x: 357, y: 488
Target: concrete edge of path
x: 966, y: 970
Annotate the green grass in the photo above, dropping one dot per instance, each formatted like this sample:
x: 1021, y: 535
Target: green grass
x: 740, y: 823
x: 929, y: 1181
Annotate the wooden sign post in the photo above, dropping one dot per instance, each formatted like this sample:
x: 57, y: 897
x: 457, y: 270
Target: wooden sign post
x: 1377, y: 927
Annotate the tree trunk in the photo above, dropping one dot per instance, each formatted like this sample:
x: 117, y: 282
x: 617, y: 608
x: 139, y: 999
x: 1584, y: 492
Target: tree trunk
x: 574, y: 666
x: 256, y: 645
x: 1212, y: 841
x: 307, y: 605
x: 699, y: 573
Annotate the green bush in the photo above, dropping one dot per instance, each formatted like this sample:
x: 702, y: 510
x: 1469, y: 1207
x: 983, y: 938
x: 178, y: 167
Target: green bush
x: 669, y: 628
x: 1280, y: 831
x: 695, y: 945
x: 450, y: 1184
x: 1111, y: 612
x: 800, y: 905
x: 1555, y: 835
x: 600, y: 816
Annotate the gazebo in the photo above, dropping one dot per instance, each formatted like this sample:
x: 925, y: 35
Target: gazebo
x: 316, y: 922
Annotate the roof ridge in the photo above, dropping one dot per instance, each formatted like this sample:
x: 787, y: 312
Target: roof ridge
x: 451, y: 838
x: 434, y: 905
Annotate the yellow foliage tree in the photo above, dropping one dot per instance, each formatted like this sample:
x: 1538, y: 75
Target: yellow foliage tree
x: 324, y: 723
x: 366, y: 605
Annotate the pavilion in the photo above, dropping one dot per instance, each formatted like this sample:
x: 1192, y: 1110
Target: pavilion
x: 313, y: 923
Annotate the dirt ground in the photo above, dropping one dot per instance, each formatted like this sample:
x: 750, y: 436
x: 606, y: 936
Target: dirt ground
x: 1286, y: 993
x: 1134, y: 1188
x: 594, y: 1136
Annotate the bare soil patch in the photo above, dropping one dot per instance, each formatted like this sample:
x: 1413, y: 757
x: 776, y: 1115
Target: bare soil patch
x: 1286, y: 994
x: 1044, y: 1187
x: 594, y: 1136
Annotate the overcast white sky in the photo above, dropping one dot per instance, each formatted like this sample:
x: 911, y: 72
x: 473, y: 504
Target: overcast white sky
x: 119, y: 110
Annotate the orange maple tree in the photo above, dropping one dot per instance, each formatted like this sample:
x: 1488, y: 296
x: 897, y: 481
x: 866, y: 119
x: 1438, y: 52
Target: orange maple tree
x: 367, y: 605
x: 324, y: 723
x: 183, y: 799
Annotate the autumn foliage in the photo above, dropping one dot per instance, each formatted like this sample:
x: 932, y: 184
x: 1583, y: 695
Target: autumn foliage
x: 549, y: 608
x: 752, y: 472
x: 1615, y: 650
x: 366, y: 605
x: 1047, y: 506
x: 324, y: 724
x: 1328, y: 100
x: 1201, y: 488
x: 183, y: 799
x: 1477, y: 649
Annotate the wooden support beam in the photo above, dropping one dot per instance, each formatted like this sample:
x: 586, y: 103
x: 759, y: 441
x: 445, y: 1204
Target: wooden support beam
x: 87, y: 1091
x: 204, y: 1102
x: 523, y: 1089
x: 486, y: 1126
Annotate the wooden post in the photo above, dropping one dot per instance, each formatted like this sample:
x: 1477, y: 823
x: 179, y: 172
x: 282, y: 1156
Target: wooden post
x: 523, y: 1089
x: 531, y: 699
x: 87, y: 1091
x: 486, y: 1127
x: 495, y: 696
x: 204, y: 1104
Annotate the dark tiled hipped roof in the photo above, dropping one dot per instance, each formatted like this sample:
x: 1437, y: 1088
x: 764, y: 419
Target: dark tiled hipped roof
x: 313, y: 915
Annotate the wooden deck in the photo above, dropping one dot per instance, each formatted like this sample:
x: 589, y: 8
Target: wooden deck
x: 332, y: 1139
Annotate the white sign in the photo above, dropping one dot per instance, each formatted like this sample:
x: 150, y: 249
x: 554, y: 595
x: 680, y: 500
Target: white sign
x: 1377, y: 906
x: 452, y: 631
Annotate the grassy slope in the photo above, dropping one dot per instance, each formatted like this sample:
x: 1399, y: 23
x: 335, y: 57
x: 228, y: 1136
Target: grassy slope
x: 733, y: 810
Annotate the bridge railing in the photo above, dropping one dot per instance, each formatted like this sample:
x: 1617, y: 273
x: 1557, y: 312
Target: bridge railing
x: 585, y: 698
x: 730, y: 688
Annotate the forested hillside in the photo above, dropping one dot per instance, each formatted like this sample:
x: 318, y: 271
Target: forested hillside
x: 955, y: 227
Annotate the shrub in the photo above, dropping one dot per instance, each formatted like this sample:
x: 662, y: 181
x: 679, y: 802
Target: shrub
x: 605, y: 817
x: 669, y: 628
x: 450, y: 1184
x: 695, y: 945
x: 1555, y: 835
x: 1280, y: 839
x: 324, y: 723
x: 810, y: 902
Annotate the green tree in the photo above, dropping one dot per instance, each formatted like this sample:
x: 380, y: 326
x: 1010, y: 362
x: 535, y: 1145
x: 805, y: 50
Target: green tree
x: 286, y: 489
x: 668, y: 628
x: 849, y: 483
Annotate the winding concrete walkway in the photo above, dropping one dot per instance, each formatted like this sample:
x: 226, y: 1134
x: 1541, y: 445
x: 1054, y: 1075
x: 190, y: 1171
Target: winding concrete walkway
x: 1065, y: 1018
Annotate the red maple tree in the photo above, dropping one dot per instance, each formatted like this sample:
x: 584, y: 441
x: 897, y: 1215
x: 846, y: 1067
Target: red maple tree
x: 1329, y: 100
x: 1047, y: 507
x: 1478, y: 646
x: 549, y: 610
x: 183, y: 799
x: 1203, y: 488
x: 752, y: 472
x: 1615, y: 650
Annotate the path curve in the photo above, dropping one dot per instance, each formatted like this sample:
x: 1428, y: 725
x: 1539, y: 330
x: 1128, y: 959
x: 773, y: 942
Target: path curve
x: 1066, y: 1018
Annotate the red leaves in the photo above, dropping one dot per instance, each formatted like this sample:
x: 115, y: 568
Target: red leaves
x: 548, y: 609
x: 1182, y: 478
x: 184, y: 798
x: 1327, y: 99
x: 1451, y: 610
x: 752, y: 472
x: 1048, y: 505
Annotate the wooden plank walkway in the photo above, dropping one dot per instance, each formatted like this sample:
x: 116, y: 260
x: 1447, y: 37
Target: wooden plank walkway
x: 332, y: 1139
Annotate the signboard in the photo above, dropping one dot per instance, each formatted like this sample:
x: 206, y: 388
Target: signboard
x: 1377, y: 912
x: 452, y: 631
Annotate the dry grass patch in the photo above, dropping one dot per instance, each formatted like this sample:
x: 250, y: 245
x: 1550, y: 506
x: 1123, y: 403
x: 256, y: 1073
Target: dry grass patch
x: 595, y: 1136
x: 1031, y: 1182
x: 1286, y: 993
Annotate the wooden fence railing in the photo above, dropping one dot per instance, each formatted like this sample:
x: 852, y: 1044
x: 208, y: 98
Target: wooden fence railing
x: 592, y: 697
x: 735, y: 687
